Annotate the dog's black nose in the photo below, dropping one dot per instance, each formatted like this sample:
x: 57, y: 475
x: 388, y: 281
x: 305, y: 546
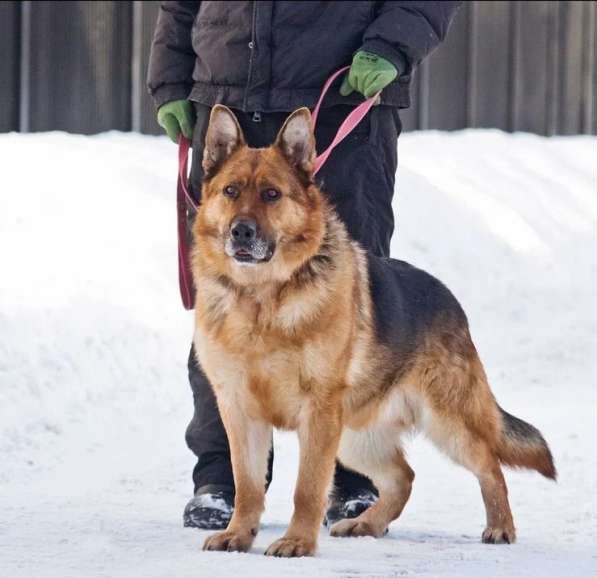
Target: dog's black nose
x: 243, y: 229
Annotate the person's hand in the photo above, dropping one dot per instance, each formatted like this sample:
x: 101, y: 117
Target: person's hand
x: 368, y: 74
x: 176, y: 117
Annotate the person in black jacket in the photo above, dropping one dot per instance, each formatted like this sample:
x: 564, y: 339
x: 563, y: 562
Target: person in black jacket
x: 264, y: 59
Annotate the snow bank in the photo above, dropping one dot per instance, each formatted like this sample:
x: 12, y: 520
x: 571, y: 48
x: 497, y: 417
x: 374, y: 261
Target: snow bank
x: 93, y: 346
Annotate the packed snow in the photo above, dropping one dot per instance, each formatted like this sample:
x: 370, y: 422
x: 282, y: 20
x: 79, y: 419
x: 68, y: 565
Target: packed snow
x: 94, y: 471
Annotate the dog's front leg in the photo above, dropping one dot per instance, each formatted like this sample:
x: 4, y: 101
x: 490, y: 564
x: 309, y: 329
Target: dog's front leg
x: 319, y: 435
x: 250, y: 443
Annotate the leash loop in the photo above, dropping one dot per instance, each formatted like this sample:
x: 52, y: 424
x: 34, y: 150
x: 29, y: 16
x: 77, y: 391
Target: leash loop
x: 184, y: 144
x: 348, y: 125
x: 184, y: 201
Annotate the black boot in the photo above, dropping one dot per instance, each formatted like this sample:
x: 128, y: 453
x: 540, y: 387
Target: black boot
x: 351, y: 496
x: 210, y: 508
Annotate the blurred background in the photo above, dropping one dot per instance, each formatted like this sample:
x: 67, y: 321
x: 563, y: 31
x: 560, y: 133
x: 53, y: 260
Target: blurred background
x: 516, y: 66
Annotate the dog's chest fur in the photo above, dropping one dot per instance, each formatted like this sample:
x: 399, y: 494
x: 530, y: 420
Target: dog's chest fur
x: 263, y: 352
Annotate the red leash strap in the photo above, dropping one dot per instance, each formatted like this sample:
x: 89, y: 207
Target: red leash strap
x: 185, y: 201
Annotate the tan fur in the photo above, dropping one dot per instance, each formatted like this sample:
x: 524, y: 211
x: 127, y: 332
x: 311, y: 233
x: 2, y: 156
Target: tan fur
x: 291, y: 343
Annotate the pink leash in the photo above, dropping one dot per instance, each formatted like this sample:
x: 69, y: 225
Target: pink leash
x: 184, y: 199
x: 349, y: 123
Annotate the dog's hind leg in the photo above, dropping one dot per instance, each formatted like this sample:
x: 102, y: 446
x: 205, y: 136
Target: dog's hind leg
x: 475, y: 453
x: 500, y: 525
x: 460, y: 416
x: 376, y: 454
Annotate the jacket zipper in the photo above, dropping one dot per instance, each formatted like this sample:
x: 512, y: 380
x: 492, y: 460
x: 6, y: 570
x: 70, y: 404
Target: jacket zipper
x: 251, y: 54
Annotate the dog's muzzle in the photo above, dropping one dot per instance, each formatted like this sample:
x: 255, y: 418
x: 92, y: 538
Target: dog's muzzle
x: 245, y: 244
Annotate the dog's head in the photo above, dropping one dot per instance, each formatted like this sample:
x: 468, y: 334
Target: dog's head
x: 261, y: 217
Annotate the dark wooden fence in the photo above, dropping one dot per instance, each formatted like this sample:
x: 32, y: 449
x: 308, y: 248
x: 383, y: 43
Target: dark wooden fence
x: 80, y: 67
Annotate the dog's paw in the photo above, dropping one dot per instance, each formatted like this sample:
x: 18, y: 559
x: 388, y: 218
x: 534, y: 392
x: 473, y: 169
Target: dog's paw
x: 291, y: 548
x: 355, y: 527
x: 505, y: 535
x: 229, y: 541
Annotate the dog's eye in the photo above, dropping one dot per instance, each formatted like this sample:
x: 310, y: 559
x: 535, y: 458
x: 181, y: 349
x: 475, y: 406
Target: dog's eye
x: 270, y: 195
x: 230, y: 191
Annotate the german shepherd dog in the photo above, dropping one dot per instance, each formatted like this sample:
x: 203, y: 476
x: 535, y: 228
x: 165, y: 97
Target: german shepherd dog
x: 298, y: 328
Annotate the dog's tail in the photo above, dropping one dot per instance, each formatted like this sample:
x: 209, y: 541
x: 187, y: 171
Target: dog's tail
x: 522, y: 446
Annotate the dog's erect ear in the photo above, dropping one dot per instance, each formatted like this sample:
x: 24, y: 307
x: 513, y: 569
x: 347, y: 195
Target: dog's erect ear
x: 223, y: 137
x: 296, y: 140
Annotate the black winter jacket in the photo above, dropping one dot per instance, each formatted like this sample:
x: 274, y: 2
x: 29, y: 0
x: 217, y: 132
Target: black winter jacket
x: 275, y: 55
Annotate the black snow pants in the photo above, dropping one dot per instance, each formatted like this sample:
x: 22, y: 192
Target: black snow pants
x: 358, y: 178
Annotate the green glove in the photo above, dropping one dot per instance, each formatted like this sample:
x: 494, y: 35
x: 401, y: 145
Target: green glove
x: 177, y: 116
x: 368, y: 74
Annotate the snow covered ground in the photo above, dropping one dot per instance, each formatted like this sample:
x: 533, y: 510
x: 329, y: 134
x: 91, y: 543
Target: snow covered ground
x: 94, y: 472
